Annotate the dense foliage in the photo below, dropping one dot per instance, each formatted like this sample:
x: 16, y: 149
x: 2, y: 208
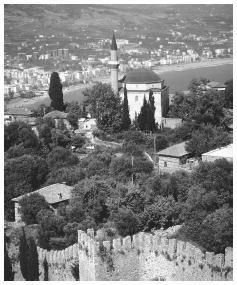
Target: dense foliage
x: 105, y: 106
x: 30, y: 206
x: 117, y: 189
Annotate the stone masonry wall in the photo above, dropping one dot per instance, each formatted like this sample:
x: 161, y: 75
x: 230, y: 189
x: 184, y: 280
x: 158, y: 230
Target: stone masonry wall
x: 59, y: 263
x: 149, y: 257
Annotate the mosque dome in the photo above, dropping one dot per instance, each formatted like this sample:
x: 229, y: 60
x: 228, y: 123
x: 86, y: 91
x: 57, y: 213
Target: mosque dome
x: 142, y: 76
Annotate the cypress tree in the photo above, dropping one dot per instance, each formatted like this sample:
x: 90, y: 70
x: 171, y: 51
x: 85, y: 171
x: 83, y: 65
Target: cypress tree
x: 126, y: 122
x: 28, y: 259
x: 56, y: 93
x: 151, y: 112
x: 46, y: 269
x: 33, y: 263
x: 142, y: 117
x: 23, y: 255
x: 8, y: 273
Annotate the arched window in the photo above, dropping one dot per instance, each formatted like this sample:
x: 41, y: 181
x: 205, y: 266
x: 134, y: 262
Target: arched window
x: 136, y: 98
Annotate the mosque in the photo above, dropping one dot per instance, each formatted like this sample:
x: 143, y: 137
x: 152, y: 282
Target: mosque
x: 139, y: 83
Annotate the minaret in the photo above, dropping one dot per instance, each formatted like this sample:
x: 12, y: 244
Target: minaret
x: 114, y: 64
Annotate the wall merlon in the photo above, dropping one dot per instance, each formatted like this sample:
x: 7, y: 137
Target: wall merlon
x: 210, y: 257
x: 219, y: 260
x: 156, y: 243
x: 198, y: 255
x: 136, y: 241
x: 148, y: 242
x: 164, y: 243
x: 172, y: 248
x: 106, y: 244
x: 91, y: 233
x: 127, y: 243
x: 117, y: 245
x: 229, y: 257
x: 181, y: 245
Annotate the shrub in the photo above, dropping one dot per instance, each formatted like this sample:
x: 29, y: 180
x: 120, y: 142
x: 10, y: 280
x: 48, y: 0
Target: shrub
x: 30, y: 206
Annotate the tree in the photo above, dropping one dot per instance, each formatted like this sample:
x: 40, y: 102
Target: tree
x: 216, y: 231
x: 93, y: 194
x: 22, y: 175
x: 23, y: 255
x: 61, y: 157
x: 44, y: 127
x: 207, y: 138
x: 126, y: 222
x: 78, y: 141
x: 142, y: 117
x: 105, y: 106
x: 30, y: 206
x: 19, y: 132
x: 70, y: 175
x: 8, y: 273
x: 151, y: 112
x: 56, y: 93
x: 207, y: 212
x: 125, y: 117
x: 33, y: 263
x: 60, y: 138
x: 73, y: 119
x: 229, y: 94
x: 164, y: 213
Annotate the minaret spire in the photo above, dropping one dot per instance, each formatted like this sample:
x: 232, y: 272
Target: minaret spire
x: 114, y: 64
x: 113, y: 43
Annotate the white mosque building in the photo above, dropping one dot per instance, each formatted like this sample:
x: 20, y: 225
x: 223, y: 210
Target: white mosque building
x: 139, y: 83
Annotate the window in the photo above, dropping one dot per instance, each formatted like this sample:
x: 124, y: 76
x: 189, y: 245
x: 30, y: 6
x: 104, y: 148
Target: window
x: 136, y: 98
x: 165, y: 164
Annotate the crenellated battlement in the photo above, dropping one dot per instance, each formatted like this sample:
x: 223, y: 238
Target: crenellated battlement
x: 143, y: 256
x: 58, y: 256
x: 183, y: 257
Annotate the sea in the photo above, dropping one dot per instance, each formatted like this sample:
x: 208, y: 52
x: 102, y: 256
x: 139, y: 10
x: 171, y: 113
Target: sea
x: 176, y: 80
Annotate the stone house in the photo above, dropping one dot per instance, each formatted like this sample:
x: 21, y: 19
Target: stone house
x: 175, y: 158
x: 56, y: 195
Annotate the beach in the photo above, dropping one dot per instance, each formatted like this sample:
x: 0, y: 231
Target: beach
x: 176, y: 77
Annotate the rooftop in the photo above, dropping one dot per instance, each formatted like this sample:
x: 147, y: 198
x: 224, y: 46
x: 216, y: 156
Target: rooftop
x: 56, y: 115
x: 177, y: 150
x: 18, y: 112
x: 225, y: 152
x: 215, y: 84
x: 142, y: 76
x: 53, y: 193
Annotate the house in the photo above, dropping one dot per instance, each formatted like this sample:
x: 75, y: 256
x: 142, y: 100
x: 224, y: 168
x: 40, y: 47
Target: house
x: 219, y: 153
x: 216, y: 86
x: 55, y: 194
x: 18, y: 114
x: 86, y: 125
x: 57, y: 116
x: 175, y: 158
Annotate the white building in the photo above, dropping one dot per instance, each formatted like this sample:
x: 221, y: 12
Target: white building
x: 139, y: 83
x: 219, y: 153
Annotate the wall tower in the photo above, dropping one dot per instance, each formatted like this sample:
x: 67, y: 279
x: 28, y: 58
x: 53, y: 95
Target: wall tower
x: 114, y: 64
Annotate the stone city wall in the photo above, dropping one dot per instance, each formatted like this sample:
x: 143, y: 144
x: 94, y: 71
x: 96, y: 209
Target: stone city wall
x: 149, y: 257
x: 59, y: 263
x: 144, y: 256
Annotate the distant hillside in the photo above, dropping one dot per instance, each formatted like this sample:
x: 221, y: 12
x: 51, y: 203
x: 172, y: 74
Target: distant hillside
x: 23, y: 19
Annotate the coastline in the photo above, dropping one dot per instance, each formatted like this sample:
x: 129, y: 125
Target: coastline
x: 34, y: 102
